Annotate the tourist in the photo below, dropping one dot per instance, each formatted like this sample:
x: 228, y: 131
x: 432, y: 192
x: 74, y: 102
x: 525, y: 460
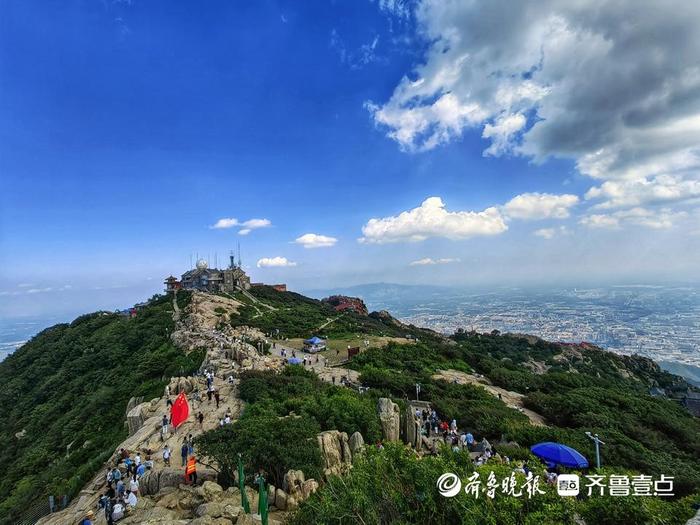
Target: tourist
x: 227, y: 419
x: 88, y: 519
x: 131, y: 499
x: 117, y: 511
x: 167, y: 391
x: 200, y: 417
x: 120, y: 488
x: 141, y: 470
x: 116, y: 474
x: 196, y: 399
x: 191, y: 470
x: 164, y: 425
x: 133, y: 484
x: 230, y: 380
x: 190, y: 444
x: 183, y: 452
x: 110, y: 477
x: 109, y: 508
x: 216, y: 396
x: 469, y: 438
x: 209, y: 395
x: 453, y: 425
x: 166, y: 455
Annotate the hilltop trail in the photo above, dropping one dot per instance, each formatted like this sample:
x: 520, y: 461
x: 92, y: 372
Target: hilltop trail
x: 510, y: 398
x: 228, y: 353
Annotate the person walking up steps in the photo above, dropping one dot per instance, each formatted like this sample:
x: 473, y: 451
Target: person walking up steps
x: 216, y: 396
x: 166, y: 455
x: 200, y: 417
x: 183, y: 452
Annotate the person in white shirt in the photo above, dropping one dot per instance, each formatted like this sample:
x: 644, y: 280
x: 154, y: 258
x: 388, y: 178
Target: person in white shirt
x: 137, y: 459
x: 133, y: 485
x: 166, y: 455
x: 227, y: 419
x: 131, y: 499
x: 118, y: 512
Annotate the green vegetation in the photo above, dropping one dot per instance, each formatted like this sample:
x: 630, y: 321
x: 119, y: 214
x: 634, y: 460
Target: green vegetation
x: 278, y: 429
x: 394, y: 486
x: 65, y: 392
x: 299, y: 316
x: 592, y: 390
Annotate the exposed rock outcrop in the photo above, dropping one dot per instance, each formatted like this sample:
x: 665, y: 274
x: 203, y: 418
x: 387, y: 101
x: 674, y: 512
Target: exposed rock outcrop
x: 342, y: 303
x: 335, y: 452
x: 136, y: 417
x: 356, y: 443
x: 389, y: 418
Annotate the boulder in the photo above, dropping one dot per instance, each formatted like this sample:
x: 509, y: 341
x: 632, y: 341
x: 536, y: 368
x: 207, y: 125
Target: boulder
x: 356, y: 443
x: 210, y: 490
x: 389, y: 418
x: 335, y: 452
x: 281, y: 499
x: 136, y: 417
x: 211, y: 509
x: 413, y: 429
x: 181, y: 384
x: 208, y: 520
x: 293, y: 480
x: 309, y: 487
x: 230, y: 512
x: 132, y: 403
x: 153, y: 481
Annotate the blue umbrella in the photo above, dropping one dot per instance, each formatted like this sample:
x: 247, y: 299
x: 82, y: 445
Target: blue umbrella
x: 294, y: 361
x: 559, y: 454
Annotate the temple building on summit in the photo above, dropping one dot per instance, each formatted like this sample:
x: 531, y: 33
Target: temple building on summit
x: 207, y: 279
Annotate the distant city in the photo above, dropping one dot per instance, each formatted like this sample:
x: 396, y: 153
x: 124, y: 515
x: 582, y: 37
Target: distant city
x: 660, y: 322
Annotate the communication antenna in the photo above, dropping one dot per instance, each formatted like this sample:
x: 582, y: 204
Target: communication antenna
x: 240, y: 265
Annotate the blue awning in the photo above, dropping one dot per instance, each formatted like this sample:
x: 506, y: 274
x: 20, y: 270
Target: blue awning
x: 314, y: 341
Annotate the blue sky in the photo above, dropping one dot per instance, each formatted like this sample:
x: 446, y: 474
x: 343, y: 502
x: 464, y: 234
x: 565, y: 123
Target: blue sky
x: 129, y: 128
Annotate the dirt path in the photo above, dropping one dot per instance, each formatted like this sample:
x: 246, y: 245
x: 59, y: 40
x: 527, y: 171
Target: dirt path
x: 512, y: 399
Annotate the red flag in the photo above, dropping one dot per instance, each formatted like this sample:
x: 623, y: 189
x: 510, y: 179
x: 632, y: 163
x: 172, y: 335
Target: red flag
x: 180, y: 410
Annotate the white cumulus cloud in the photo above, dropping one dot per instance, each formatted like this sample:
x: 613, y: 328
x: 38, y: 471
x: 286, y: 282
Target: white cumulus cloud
x: 274, y: 262
x: 540, y: 206
x: 613, y: 86
x: 427, y: 261
x: 432, y: 219
x: 313, y: 240
x: 654, y: 219
x: 226, y: 222
x: 245, y: 227
x: 550, y: 233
